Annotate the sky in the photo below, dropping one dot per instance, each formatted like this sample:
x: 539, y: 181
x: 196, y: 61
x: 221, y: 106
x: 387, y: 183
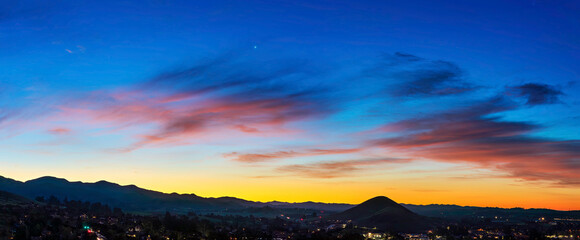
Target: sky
x: 448, y: 102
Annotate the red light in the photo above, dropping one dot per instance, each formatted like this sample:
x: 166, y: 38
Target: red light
x: 90, y: 231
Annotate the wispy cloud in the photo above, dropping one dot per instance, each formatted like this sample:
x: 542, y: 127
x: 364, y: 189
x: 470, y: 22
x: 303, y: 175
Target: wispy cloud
x: 537, y: 93
x: 218, y: 93
x: 408, y: 75
x: 233, y: 94
x: 266, y: 157
x: 476, y: 136
x: 59, y: 131
x: 336, y: 169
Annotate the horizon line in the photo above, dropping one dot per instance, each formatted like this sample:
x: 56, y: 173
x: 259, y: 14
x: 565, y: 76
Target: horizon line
x: 270, y: 201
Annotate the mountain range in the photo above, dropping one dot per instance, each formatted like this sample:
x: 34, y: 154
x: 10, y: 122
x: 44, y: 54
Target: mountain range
x: 134, y: 199
x: 380, y: 212
x: 454, y: 212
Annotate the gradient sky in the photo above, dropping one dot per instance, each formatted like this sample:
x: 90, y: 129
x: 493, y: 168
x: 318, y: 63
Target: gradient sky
x: 451, y: 102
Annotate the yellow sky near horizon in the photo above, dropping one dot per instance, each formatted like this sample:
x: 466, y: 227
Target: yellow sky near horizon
x: 450, y: 187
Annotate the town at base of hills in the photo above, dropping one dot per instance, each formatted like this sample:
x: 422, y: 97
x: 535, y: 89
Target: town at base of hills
x: 53, y: 218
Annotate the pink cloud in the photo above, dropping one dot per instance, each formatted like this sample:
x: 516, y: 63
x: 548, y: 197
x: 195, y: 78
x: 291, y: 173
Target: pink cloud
x: 59, y: 131
x: 336, y: 169
x: 179, y: 106
x: 471, y: 135
x: 265, y: 157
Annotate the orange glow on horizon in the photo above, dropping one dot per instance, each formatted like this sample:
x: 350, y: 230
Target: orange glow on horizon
x: 512, y: 194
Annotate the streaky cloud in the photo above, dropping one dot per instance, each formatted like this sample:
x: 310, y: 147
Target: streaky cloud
x: 272, y: 156
x: 475, y: 135
x: 59, y: 131
x: 227, y: 92
x: 337, y: 169
x: 416, y: 77
x: 537, y: 93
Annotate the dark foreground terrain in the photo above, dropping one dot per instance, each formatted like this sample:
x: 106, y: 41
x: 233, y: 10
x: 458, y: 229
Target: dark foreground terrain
x: 51, y: 218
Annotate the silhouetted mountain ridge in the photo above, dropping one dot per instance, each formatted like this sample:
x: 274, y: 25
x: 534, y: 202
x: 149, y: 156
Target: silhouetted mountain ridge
x: 383, y: 213
x: 456, y: 212
x: 135, y: 199
x: 130, y: 197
